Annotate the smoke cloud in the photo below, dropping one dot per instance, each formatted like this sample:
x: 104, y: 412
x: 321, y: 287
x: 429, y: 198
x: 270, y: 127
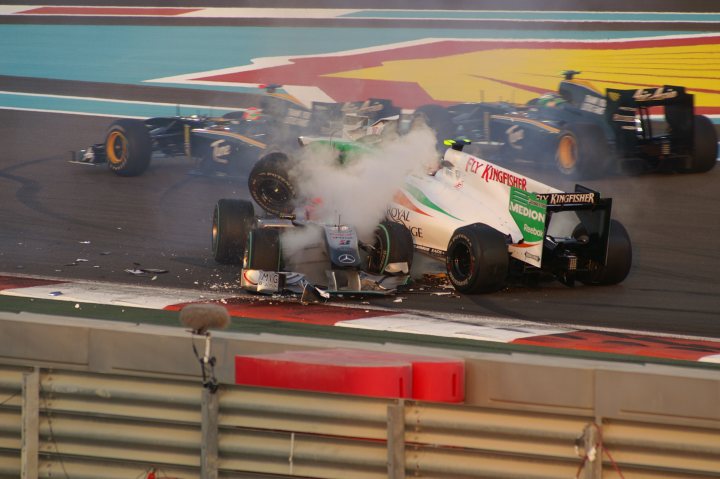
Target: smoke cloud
x: 357, y: 193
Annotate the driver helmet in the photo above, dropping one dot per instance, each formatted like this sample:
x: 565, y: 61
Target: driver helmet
x: 550, y: 100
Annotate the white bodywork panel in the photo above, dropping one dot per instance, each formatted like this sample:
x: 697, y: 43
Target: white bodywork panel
x: 464, y: 191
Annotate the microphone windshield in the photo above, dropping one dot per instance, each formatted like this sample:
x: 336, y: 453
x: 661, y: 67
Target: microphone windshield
x: 201, y: 317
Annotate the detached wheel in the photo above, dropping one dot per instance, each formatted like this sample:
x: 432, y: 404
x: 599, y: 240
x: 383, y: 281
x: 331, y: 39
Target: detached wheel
x: 393, y: 243
x: 231, y: 223
x: 618, y: 262
x: 128, y: 147
x: 270, y: 185
x: 263, y: 250
x: 582, y: 151
x: 705, y: 146
x: 477, y: 259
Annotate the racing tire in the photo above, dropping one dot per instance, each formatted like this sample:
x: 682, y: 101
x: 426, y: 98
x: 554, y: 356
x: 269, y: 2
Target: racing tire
x: 263, y: 250
x: 582, y: 151
x: 477, y: 259
x: 231, y: 223
x: 128, y: 147
x: 618, y: 261
x: 393, y: 243
x: 270, y: 184
x: 705, y: 146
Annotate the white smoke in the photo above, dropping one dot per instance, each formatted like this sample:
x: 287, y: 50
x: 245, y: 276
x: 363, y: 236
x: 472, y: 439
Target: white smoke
x: 357, y: 193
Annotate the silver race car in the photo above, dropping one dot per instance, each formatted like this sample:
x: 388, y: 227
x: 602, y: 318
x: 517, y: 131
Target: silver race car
x: 298, y: 253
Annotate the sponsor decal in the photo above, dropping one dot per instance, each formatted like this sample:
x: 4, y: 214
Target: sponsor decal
x: 529, y: 212
x: 430, y: 251
x: 649, y: 94
x: 220, y: 151
x: 398, y: 215
x: 297, y: 117
x: 402, y: 216
x: 268, y: 281
x: 568, y: 198
x: 492, y: 173
x: 515, y: 135
x: 626, y: 118
x: 594, y: 104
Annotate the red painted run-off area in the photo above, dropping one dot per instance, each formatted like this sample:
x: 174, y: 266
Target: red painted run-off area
x: 625, y: 343
x: 11, y: 282
x: 321, y: 314
x: 135, y: 12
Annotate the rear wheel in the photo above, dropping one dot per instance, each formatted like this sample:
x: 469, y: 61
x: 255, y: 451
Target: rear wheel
x: 705, y: 146
x: 392, y: 243
x: 477, y: 259
x: 618, y: 262
x: 270, y: 184
x: 263, y: 250
x: 128, y: 147
x: 231, y: 223
x: 582, y: 151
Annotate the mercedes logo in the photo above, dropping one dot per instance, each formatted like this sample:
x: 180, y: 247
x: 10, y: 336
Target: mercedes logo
x: 346, y: 258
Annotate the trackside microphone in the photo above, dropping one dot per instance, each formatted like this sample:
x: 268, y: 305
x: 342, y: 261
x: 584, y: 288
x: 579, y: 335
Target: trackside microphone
x: 202, y: 317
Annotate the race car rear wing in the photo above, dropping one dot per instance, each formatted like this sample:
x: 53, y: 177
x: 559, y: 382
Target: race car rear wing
x: 589, y: 239
x: 628, y: 112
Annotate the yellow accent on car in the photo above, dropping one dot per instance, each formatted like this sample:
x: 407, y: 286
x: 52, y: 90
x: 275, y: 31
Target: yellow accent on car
x: 518, y: 119
x: 111, y: 148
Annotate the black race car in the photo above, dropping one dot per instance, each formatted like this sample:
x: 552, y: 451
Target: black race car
x: 585, y: 133
x: 224, y: 145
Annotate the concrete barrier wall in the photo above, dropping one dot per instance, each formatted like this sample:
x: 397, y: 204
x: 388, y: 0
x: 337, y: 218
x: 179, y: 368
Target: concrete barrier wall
x: 118, y: 396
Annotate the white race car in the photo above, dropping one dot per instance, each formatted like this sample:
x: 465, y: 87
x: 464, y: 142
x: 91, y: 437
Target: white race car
x: 486, y: 222
x: 489, y: 223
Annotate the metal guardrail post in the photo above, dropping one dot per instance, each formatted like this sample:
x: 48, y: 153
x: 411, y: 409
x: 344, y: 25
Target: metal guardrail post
x: 30, y: 428
x: 396, y: 440
x: 589, y: 449
x: 209, y: 434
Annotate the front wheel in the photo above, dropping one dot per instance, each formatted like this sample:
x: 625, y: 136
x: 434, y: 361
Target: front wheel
x: 231, y: 223
x: 618, y: 261
x: 270, y: 185
x: 477, y: 259
x: 128, y: 147
x: 393, y: 243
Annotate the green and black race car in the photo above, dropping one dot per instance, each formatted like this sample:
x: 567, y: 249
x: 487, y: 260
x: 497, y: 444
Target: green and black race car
x: 585, y: 133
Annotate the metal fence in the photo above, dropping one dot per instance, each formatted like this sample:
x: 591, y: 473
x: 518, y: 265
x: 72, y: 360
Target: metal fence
x: 77, y: 424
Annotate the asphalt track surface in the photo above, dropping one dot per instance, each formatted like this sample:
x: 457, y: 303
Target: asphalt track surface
x: 53, y: 214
